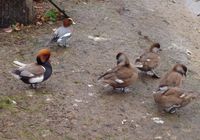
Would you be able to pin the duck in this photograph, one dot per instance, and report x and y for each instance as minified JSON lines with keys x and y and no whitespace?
{"x":172,"y":99}
{"x":122,"y":75}
{"x":174,"y":77}
{"x":34,"y":73}
{"x":149,"y":60}
{"x":62,"y":34}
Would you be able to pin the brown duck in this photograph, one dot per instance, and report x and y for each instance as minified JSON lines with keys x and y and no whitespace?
{"x":149,"y":60}
{"x":174,"y":77}
{"x":172,"y":99}
{"x":121,"y":76}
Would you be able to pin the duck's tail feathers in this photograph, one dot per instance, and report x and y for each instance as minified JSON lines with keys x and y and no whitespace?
{"x":100,"y":77}
{"x":16,"y":74}
{"x":18,"y":64}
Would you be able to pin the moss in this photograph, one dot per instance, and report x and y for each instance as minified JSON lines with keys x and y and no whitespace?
{"x":6,"y":103}
{"x":25,"y":134}
{"x":51,"y":15}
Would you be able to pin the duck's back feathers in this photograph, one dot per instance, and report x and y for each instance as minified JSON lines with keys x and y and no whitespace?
{"x":18,"y":64}
{"x":148,"y":61}
{"x":61,"y":32}
{"x":30,"y":73}
{"x":172,"y":79}
{"x":120,"y":76}
{"x":173,"y":98}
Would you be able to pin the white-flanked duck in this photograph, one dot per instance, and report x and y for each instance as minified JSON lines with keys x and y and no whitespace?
{"x":174,"y":77}
{"x":63,"y":33}
{"x":149,"y":60}
{"x":34,"y":73}
{"x":172,"y":99}
{"x":121,"y":76}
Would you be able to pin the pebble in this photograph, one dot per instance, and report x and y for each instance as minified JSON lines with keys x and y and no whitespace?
{"x":78,"y":101}
{"x":157,"y":120}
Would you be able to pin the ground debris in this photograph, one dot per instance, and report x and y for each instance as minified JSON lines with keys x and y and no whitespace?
{"x":90,"y":85}
{"x":124,"y":121}
{"x":157,"y":138}
{"x":78,"y":101}
{"x":97,"y":38}
{"x":157,"y":120}
{"x":188,"y":52}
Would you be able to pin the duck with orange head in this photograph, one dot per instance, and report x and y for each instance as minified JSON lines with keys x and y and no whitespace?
{"x":34,"y":73}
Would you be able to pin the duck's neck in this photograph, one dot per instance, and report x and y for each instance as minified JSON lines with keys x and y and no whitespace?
{"x":39,"y":62}
{"x":180,"y":73}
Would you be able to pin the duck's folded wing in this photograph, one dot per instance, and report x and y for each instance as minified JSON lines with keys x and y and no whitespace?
{"x":30,"y":70}
{"x":55,"y":36}
{"x":150,"y":59}
{"x":168,"y":101}
{"x":124,"y":73}
{"x":35,"y":69}
{"x":64,"y":37}
{"x":110,"y":73}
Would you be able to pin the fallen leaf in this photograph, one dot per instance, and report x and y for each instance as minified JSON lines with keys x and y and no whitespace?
{"x":38,"y":23}
{"x":8,"y":30}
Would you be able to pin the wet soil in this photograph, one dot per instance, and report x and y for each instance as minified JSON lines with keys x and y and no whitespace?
{"x":72,"y":105}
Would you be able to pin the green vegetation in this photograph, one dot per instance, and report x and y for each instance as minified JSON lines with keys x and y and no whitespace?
{"x":51,"y":15}
{"x":6,"y":103}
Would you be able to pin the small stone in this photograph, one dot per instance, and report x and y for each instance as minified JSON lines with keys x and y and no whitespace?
{"x":14,"y":102}
{"x":157,"y":120}
{"x":90,"y":85}
{"x":188,"y":52}
{"x":124,"y":121}
{"x":158,"y":138}
{"x":90,"y":94}
{"x":48,"y":99}
{"x":78,"y":101}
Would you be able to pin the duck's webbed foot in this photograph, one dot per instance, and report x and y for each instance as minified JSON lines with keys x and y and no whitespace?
{"x":172,"y":109}
{"x":34,"y":86}
{"x":124,"y":90}
{"x":153,"y":74}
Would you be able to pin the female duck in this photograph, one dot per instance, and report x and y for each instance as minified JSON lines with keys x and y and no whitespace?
{"x":174,"y":77}
{"x":149,"y":60}
{"x":122,"y":75}
{"x":172,"y":99}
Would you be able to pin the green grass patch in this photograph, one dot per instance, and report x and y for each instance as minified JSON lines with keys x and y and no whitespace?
{"x":6,"y":103}
{"x":51,"y":15}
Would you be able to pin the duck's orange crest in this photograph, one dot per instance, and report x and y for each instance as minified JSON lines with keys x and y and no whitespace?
{"x":43,"y":52}
{"x":44,"y":55}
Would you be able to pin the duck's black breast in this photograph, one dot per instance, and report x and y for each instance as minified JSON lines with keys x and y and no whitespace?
{"x":48,"y":70}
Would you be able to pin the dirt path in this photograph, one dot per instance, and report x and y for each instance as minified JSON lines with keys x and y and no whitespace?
{"x":72,"y":105}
